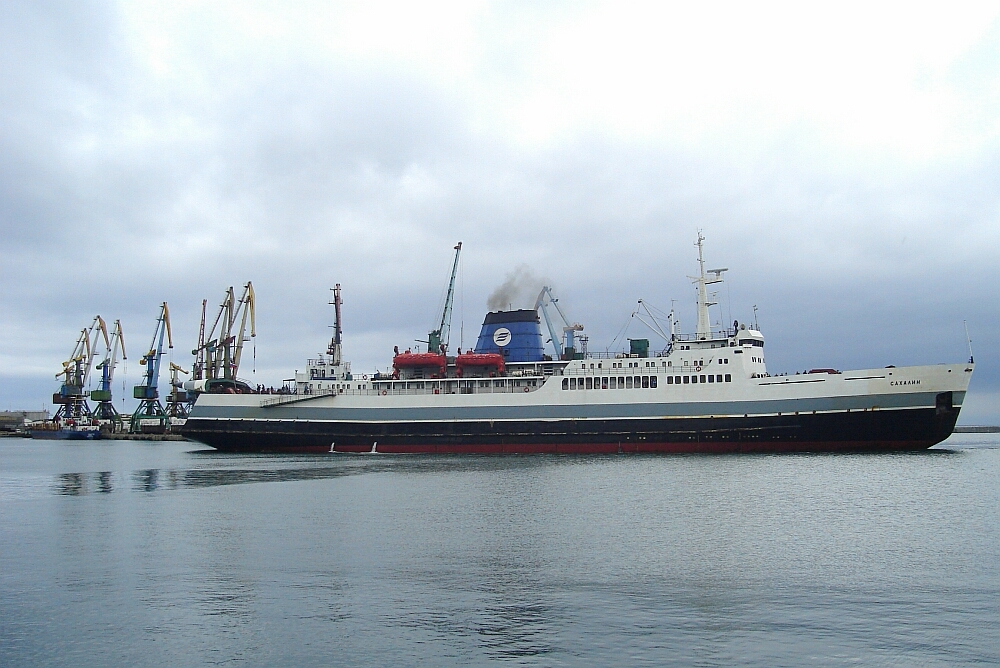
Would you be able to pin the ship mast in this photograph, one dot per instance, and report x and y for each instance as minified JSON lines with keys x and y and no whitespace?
{"x":334,"y":350}
{"x":704,"y":323}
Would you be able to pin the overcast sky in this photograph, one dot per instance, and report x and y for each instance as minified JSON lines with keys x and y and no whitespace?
{"x":843,"y":162}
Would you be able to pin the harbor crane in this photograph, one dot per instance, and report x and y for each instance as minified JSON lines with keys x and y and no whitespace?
{"x":178,"y":401}
{"x":150,"y":410}
{"x":565,"y":345}
{"x":105,"y":410}
{"x":217,"y":357}
{"x":72,"y":396}
{"x":438,"y":339}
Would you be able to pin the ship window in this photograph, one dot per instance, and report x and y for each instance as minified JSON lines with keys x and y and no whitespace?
{"x":670,"y":363}
{"x":652,"y":381}
{"x":572,"y":383}
{"x":604,"y":383}
{"x":711,"y":378}
{"x":729,"y":378}
{"x":565,"y":383}
{"x":703,"y":379}
{"x":628,"y":382}
{"x":645,"y":381}
{"x":670,"y":380}
{"x":621,"y":382}
{"x":590,"y":383}
{"x":579,"y":384}
{"x":718,"y":378}
{"x":613,"y":385}
{"x":687,"y":379}
{"x":685,"y":362}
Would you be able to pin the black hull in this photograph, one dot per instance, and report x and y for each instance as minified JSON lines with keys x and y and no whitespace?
{"x":854,"y":431}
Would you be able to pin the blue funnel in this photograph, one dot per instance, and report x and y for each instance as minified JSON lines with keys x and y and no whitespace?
{"x":517,"y":335}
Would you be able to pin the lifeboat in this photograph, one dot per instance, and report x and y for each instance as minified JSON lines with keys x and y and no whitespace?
{"x":420,"y":360}
{"x":480,"y":360}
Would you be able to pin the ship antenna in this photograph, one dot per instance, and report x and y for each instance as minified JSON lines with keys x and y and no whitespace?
{"x":969,"y":340}
{"x":704,"y":324}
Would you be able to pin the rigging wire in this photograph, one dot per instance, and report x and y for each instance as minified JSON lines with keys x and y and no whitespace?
{"x":621,"y":331}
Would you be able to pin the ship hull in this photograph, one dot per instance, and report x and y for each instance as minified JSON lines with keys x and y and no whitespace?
{"x":854,"y":431}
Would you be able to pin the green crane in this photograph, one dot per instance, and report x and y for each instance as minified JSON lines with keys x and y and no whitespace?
{"x":437,"y":340}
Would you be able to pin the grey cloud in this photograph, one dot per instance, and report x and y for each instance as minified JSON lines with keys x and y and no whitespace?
{"x":119,"y":193}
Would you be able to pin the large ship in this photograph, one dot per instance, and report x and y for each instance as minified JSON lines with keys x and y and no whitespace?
{"x":706,"y":392}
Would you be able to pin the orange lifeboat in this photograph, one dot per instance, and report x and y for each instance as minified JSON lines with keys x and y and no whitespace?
{"x":480,"y":360}
{"x":420,"y":360}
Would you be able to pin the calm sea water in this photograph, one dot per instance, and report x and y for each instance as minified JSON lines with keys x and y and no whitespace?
{"x":130,"y":553}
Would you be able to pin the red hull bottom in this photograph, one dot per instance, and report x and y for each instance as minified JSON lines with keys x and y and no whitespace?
{"x":638,"y":448}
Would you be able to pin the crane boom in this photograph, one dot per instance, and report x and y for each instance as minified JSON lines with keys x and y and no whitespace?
{"x":72,"y":396}
{"x":150,"y":408}
{"x":565,"y":346}
{"x":105,"y":411}
{"x":218,"y":353}
{"x":246,"y":305}
{"x":438,"y":339}
{"x":541,"y":305}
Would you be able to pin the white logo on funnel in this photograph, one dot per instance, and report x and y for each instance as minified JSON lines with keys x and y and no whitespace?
{"x":501,"y":337}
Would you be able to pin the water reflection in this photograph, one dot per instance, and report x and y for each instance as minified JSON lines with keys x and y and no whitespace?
{"x":104,"y":482}
{"x":146,"y":481}
{"x":282,"y":468}
{"x":71,"y":484}
{"x":154,"y":480}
